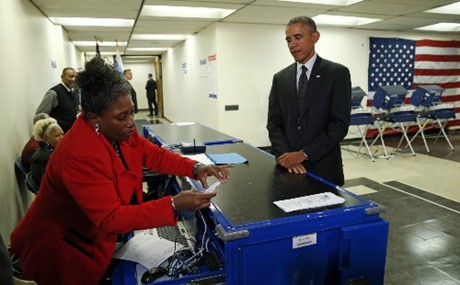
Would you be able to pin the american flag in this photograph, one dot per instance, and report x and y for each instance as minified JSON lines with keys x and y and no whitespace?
{"x":411,"y":63}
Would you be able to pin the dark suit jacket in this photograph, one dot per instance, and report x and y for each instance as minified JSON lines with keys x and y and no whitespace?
{"x":321,"y":126}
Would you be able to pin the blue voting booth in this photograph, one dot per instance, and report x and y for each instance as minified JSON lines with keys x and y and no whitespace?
{"x":362,"y":118}
{"x":252,"y":241}
{"x":433,"y":113}
{"x":397,"y":114}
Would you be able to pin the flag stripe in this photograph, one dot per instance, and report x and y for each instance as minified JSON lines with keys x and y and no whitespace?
{"x":437,"y":72}
{"x":452,"y":98}
{"x":436,"y":65}
{"x":431,"y":57}
{"x":436,"y":43}
{"x":445,"y":85}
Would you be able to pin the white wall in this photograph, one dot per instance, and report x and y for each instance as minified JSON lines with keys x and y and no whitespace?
{"x":140,"y":72}
{"x":29,"y":43}
{"x":248,"y":56}
{"x":186,"y":97}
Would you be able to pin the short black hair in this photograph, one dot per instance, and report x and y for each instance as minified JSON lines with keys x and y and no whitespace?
{"x":100,"y":85}
{"x":65,"y":70}
{"x":304,"y":20}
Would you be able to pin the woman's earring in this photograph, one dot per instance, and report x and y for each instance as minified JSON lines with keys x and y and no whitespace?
{"x":97,"y":129}
{"x":49,"y":147}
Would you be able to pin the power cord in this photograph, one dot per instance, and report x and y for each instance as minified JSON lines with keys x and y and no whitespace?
{"x":185,"y":260}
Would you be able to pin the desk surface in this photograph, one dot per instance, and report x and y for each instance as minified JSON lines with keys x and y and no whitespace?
{"x":253,"y":187}
{"x":175,"y":133}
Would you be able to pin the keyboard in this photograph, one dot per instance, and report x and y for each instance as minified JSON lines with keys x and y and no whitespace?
{"x":172,"y":233}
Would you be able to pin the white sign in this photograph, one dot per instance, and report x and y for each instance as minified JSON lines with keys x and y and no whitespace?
{"x":304,"y":240}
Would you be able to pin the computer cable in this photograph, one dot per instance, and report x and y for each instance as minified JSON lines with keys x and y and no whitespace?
{"x":186,"y":260}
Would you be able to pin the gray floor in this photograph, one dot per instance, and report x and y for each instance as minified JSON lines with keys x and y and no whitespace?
{"x":422,"y":197}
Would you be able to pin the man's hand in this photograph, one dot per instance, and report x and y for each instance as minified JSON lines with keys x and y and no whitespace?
{"x":292,"y":161}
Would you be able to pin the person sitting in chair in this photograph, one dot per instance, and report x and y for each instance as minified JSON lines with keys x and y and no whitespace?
{"x":48,"y":134}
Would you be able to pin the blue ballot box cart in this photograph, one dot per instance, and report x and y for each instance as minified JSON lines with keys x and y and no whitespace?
{"x":258,"y":243}
{"x":173,"y":134}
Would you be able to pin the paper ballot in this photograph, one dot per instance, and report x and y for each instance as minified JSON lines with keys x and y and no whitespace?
{"x":309,"y":202}
{"x":147,"y":250}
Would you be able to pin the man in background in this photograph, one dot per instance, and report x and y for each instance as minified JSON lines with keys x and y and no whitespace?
{"x":61,"y":101}
{"x":151,"y":87}
{"x":309,"y":107}
{"x":128,"y":74}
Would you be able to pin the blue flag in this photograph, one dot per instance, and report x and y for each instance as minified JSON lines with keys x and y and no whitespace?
{"x":391,"y":62}
{"x":117,"y":63}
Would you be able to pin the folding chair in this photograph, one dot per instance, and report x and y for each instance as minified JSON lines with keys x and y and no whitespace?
{"x":21,"y":172}
{"x":31,"y":184}
{"x":433,"y":111}
{"x":395,"y":114}
{"x":361,"y":117}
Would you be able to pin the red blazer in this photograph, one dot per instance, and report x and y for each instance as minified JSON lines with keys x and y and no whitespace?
{"x":68,"y":234}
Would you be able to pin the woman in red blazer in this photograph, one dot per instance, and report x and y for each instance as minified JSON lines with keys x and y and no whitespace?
{"x":92,"y":188}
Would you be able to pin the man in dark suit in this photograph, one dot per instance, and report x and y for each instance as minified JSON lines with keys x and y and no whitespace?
{"x":309,"y":116}
{"x":61,"y":101}
{"x":151,"y":87}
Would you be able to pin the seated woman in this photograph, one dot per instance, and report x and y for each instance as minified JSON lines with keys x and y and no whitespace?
{"x":32,"y":145}
{"x":48,"y":134}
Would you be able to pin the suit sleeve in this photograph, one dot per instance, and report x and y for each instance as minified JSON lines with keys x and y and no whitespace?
{"x":275,"y":122}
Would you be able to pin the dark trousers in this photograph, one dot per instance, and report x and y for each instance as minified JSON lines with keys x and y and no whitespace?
{"x":152,"y":100}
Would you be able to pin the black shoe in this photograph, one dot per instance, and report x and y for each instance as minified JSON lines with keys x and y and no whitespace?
{"x":150,"y":115}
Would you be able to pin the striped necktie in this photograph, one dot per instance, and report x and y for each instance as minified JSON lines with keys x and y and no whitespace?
{"x":302,"y":89}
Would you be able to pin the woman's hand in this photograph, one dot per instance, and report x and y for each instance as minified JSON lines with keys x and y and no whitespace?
{"x":220,"y":172}
{"x":192,"y":200}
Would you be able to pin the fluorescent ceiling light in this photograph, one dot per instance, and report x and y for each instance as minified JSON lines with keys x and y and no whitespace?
{"x":102,"y":53}
{"x":343,"y":20}
{"x":185,"y":12}
{"x":92,"y":22}
{"x":147,"y":49}
{"x":441,"y":27}
{"x":326,"y":2}
{"x":158,"y":37}
{"x":453,"y":8}
{"x":101,"y":44}
{"x":137,"y":60}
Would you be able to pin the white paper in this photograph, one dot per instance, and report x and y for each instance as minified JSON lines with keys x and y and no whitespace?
{"x":309,"y":202}
{"x":201,"y":157}
{"x":213,"y":187}
{"x":147,"y":250}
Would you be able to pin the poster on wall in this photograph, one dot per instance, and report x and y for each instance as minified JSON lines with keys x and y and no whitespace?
{"x":212,"y":76}
{"x":54,"y":73}
{"x":184,"y":70}
{"x":203,"y":67}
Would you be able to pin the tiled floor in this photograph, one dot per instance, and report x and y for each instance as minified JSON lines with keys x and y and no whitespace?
{"x":422,"y":197}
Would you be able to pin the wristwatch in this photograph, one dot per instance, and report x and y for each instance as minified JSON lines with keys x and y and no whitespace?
{"x":195,"y":167}
{"x":304,"y":154}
